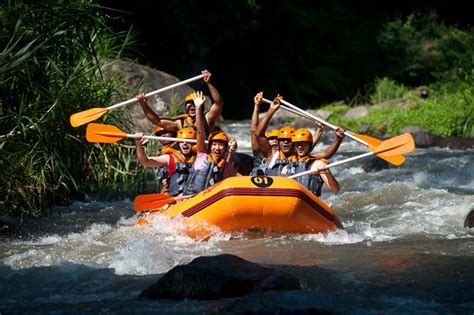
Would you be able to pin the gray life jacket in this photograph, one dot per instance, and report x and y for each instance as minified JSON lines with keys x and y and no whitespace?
{"x":207,"y":176}
{"x":313,"y":182}
{"x":177,"y":181}
{"x":276,"y":169}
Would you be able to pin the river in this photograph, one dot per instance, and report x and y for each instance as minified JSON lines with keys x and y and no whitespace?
{"x":403,"y":249}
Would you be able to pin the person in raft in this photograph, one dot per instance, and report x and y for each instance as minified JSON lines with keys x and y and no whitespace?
{"x":271,"y":135}
{"x":303,"y":161}
{"x":189,"y":118}
{"x":176,"y":163}
{"x":275,"y":160}
{"x":210,"y":165}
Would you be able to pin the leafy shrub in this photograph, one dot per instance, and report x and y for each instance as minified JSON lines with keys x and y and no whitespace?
{"x":50,"y":69}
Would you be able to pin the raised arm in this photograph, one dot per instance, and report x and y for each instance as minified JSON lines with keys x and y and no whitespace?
{"x":216,"y":109}
{"x":199,"y":99}
{"x":155,"y":161}
{"x":153,"y":117}
{"x":317,"y":134}
{"x":333,"y":147}
{"x":263,"y":125}
{"x":257,"y":100}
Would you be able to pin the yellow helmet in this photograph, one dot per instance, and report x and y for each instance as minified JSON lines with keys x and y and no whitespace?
{"x":189,"y":98}
{"x":273,"y":133}
{"x":302,"y":135}
{"x":186,"y":133}
{"x":286,"y":132}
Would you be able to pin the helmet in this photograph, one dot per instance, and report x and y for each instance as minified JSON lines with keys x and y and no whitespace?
{"x":218,"y":135}
{"x":302,"y":135}
{"x":273,"y":133}
{"x":186,"y":133}
{"x":160,"y":131}
{"x":286,"y":132}
{"x":189,"y":98}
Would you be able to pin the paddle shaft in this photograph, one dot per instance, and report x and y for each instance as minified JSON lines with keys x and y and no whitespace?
{"x":166,"y":88}
{"x":333,"y":164}
{"x":298,"y":111}
{"x":129,"y":135}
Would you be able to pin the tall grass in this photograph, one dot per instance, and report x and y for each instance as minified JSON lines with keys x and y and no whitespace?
{"x":50,"y":69}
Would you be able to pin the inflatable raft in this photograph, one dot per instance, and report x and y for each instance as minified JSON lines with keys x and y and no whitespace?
{"x":243,"y":203}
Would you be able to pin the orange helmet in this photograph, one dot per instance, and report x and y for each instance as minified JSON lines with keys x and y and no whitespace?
{"x":273,"y":133}
{"x":302,"y":135}
{"x":286,"y":132}
{"x":159,"y":131}
{"x":186,"y":133}
{"x":218,"y":135}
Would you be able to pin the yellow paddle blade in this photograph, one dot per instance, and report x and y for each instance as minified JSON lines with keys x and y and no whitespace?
{"x":369,"y":140}
{"x":84,"y":117}
{"x":103,"y":133}
{"x":151,"y":202}
{"x":392,"y":149}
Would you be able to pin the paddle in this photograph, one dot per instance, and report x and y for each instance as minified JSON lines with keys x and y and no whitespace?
{"x":154,"y":201}
{"x":368,"y":141}
{"x":392,"y":147}
{"x":99,"y":133}
{"x":92,"y":114}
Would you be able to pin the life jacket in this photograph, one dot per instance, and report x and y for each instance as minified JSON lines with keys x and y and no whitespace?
{"x":177,"y":181}
{"x":162,"y":172}
{"x":275,"y":166}
{"x":167,"y":149}
{"x":187,"y":121}
{"x":313,"y":182}
{"x":211,"y":173}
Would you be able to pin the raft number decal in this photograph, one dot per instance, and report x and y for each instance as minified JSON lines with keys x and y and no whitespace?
{"x":262,"y":181}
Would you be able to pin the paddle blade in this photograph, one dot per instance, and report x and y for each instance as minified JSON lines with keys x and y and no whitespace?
{"x":84,"y":117}
{"x":369,"y":140}
{"x":103,"y":133}
{"x":151,"y":202}
{"x":392,"y":149}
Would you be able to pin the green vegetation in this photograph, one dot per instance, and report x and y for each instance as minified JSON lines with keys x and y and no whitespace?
{"x":421,"y":51}
{"x":447,"y":111}
{"x":49,"y":69}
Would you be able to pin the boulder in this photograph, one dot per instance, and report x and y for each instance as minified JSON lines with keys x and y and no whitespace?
{"x":469,"y":222}
{"x":138,"y":78}
{"x":217,"y":277}
{"x":425,"y":139}
{"x":356,"y":112}
{"x":375,"y":164}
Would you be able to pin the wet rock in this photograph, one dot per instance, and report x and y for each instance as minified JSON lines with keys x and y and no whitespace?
{"x":356,"y":112}
{"x":425,"y":139}
{"x":469,"y":222}
{"x":81,"y":196}
{"x":9,"y":226}
{"x":375,"y":164}
{"x":243,"y":163}
{"x":217,"y":277}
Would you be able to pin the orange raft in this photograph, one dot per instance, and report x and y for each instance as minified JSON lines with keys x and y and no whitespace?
{"x":242,"y":203}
